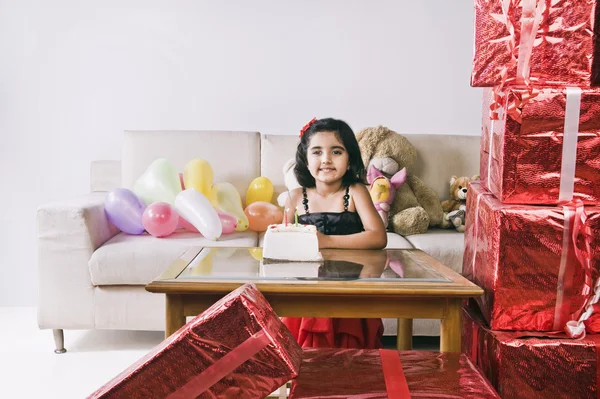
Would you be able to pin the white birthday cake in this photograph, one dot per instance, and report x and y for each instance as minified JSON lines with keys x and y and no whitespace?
{"x":289,"y":269}
{"x":291,"y":242}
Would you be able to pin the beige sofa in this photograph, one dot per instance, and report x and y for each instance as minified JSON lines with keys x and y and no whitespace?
{"x":91,"y":276}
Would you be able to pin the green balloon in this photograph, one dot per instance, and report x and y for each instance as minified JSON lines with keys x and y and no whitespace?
{"x":159,"y":183}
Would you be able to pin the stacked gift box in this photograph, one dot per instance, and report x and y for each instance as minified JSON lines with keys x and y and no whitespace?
{"x":238,"y":348}
{"x":532,"y":239}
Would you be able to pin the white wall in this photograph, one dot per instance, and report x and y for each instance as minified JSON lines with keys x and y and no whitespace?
{"x":74,"y":74}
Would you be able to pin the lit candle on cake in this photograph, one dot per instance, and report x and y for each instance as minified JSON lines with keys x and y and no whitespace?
{"x":285,"y":216}
{"x":296,"y":217}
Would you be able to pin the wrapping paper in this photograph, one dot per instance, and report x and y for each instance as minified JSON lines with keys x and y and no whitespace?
{"x":545,"y":42}
{"x":240,"y":332}
{"x":523,"y":365}
{"x":525,"y":259}
{"x":359,"y":373}
{"x":522,"y":153}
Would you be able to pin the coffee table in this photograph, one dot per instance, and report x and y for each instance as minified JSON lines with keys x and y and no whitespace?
{"x":403,"y":284}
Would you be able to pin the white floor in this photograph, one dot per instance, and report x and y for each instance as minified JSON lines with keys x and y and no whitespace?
{"x":29,"y":368}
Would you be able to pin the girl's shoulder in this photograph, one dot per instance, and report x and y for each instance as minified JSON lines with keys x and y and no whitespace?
{"x":358,"y":189}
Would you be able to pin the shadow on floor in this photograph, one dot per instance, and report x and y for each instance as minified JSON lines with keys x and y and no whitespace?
{"x":419,"y":343}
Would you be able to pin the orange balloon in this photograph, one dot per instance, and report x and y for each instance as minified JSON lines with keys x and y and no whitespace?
{"x":261,"y":214}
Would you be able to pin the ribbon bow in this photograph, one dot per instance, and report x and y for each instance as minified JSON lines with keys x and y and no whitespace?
{"x":576,"y":328}
{"x":307,"y":126}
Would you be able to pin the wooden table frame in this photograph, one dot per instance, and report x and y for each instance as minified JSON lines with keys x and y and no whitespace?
{"x":404,"y":301}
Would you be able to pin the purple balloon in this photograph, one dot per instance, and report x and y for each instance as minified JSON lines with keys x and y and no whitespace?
{"x":124,"y":209}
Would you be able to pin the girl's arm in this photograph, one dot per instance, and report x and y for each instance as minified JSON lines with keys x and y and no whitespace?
{"x":374,"y":236}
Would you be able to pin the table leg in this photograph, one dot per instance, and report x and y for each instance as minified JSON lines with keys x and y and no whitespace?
{"x":175,"y":315}
{"x":404,"y":338}
{"x":451,"y":327}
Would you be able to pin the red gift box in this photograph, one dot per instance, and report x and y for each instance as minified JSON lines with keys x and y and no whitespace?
{"x":237,"y":348}
{"x":523,"y":365}
{"x":533,"y":262}
{"x":375,"y":374}
{"x":544,"y":148}
{"x":539,"y":41}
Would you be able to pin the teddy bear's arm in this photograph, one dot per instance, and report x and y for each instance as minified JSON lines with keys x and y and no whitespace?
{"x":458,"y":204}
{"x":428,"y":199}
{"x":448,"y":205}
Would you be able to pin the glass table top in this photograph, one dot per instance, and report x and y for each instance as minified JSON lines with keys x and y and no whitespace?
{"x":247,"y":264}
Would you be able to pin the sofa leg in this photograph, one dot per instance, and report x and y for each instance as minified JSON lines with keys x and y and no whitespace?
{"x":59,"y":341}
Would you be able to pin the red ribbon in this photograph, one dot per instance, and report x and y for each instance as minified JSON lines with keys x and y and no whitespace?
{"x":395,"y":380}
{"x":222,"y":367}
{"x":307,"y":126}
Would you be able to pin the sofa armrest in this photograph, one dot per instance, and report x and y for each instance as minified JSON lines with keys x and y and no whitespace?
{"x":68,"y":233}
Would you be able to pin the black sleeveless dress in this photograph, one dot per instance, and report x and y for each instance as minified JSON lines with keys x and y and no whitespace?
{"x":323,"y":332}
{"x":332,"y":223}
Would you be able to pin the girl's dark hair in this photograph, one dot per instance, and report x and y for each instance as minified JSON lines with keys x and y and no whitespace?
{"x":356,"y":173}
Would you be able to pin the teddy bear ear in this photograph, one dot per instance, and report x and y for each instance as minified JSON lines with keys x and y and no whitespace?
{"x":453,"y":180}
{"x":476,"y":177}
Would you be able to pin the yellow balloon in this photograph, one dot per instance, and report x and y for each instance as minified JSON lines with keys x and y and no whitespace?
{"x":227,"y":199}
{"x":198,"y":174}
{"x":260,"y":189}
{"x":256,"y":253}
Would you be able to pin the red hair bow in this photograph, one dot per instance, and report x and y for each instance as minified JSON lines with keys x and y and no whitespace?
{"x":307,"y":126}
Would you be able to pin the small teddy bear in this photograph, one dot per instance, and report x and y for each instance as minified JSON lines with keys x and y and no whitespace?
{"x":455,"y":207}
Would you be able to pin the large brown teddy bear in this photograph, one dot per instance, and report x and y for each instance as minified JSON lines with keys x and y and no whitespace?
{"x":416,"y":206}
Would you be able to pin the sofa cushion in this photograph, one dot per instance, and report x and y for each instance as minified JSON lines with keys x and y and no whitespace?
{"x":234,"y":156}
{"x":447,"y":246}
{"x":137,"y":260}
{"x":395,"y":241}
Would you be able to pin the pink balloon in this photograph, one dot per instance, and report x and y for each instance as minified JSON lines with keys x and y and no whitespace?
{"x":187,"y":225}
{"x":228,"y":222}
{"x":160,"y":219}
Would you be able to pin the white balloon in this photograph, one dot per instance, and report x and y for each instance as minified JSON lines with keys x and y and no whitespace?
{"x":282,"y":198}
{"x":194,"y":207}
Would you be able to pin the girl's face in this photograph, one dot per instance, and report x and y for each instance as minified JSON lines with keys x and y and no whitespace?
{"x":327,"y":157}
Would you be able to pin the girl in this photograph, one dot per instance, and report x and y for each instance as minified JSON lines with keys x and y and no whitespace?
{"x":334,"y":198}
